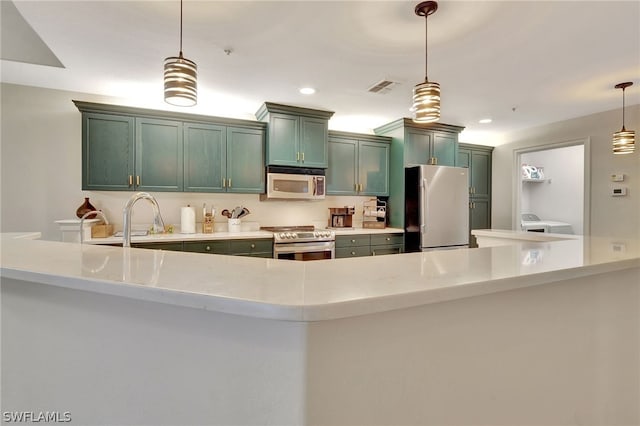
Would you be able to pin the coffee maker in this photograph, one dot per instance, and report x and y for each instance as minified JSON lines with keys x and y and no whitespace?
{"x":341,"y":217}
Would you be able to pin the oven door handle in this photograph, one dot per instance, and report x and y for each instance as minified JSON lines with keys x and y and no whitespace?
{"x":303,"y":247}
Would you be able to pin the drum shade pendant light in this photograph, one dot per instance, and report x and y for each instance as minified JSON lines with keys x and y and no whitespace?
{"x":624,"y":140}
{"x":426,"y":95}
{"x":180,"y":86}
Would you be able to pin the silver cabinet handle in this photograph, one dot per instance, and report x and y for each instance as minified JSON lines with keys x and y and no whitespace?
{"x":208,"y":248}
{"x":137,"y":180}
{"x":229,"y":183}
{"x":353,"y":241}
{"x":130,"y":180}
{"x":303,"y":157}
{"x":224,"y":183}
{"x":253,"y":246}
{"x":353,"y":253}
{"x":297,"y":156}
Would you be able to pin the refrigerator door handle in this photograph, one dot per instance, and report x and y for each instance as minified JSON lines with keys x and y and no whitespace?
{"x":424,"y":204}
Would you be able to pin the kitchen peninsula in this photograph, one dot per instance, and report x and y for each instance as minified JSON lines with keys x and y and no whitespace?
{"x":537,"y":332}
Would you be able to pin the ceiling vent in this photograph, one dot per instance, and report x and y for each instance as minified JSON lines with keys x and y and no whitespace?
{"x":382,"y":87}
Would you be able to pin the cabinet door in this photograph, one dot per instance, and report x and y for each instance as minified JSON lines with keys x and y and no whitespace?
{"x":169,"y":246}
{"x":480,"y":214}
{"x":480,"y":174}
{"x":205,"y":153}
{"x":159,"y":155}
{"x":464,"y":158}
{"x":313,"y":142}
{"x":213,"y":247}
{"x":245,"y":160}
{"x":342,"y":171}
{"x":444,"y":148}
{"x":373,"y":168}
{"x":417,"y":148}
{"x":107,"y":152}
{"x":284,"y":137}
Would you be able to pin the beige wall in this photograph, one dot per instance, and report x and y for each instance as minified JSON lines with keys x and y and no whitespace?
{"x":41,"y":173}
{"x":609,"y":216}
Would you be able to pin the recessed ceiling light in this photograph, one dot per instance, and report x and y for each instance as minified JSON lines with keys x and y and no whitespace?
{"x":485,"y":121}
{"x":307,"y":90}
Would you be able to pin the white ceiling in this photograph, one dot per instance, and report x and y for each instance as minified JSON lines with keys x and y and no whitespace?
{"x":520,"y":63}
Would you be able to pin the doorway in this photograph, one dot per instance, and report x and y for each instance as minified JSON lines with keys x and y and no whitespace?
{"x":551,"y":188}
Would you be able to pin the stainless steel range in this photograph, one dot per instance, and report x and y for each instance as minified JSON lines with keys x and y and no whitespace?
{"x":302,"y":242}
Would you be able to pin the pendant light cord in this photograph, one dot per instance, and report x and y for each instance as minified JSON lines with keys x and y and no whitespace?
{"x":426,"y":50}
{"x":623,"y":108}
{"x":181,"y":28}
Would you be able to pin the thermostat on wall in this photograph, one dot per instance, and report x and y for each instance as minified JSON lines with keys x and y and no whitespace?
{"x":618,"y":192}
{"x":618,"y":177}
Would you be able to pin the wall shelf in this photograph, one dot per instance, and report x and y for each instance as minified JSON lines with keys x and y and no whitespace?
{"x":537,"y":180}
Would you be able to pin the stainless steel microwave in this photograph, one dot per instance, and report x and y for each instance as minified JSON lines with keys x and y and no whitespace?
{"x":294,"y":183}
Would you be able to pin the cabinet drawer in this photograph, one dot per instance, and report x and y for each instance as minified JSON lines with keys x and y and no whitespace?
{"x":217,"y":247}
{"x":387,"y":239}
{"x":175,"y":246}
{"x":390,"y":249}
{"x":251,"y":246}
{"x":352,"y":240}
{"x":353,"y":252}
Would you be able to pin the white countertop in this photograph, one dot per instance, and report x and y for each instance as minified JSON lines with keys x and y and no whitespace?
{"x":310,"y":291}
{"x":160,"y":238}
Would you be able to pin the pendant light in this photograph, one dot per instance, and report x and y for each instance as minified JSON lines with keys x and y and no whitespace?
{"x":180,"y":86}
{"x":624,"y":140}
{"x":426,"y":95}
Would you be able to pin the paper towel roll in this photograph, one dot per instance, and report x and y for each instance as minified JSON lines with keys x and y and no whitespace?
{"x":187,"y":220}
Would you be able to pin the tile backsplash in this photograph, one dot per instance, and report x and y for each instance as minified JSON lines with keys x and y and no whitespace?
{"x":263,"y":213}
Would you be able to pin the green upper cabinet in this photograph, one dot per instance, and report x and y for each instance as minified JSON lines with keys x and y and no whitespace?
{"x":417,"y":147}
{"x":159,"y":155}
{"x":444,"y":149}
{"x":373,"y":168}
{"x":342,"y":174}
{"x":358,"y":164}
{"x":478,"y":159}
{"x":245,"y":160}
{"x":107,"y":152}
{"x":223,"y":159}
{"x":411,"y":144}
{"x":205,"y":157}
{"x":126,"y":148}
{"x":296,"y":136}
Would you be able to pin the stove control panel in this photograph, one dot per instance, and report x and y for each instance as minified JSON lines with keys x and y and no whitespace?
{"x":304,"y":236}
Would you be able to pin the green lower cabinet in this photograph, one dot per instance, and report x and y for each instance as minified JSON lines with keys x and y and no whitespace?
{"x":360,"y":251}
{"x":382,"y":244}
{"x":254,"y":248}
{"x":262,"y":247}
{"x":169,"y":246}
{"x":359,"y":245}
{"x":212,"y":247}
{"x":358,"y":164}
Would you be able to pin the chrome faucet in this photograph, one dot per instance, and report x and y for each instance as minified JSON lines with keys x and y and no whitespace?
{"x":158,"y":223}
{"x":87,"y":214}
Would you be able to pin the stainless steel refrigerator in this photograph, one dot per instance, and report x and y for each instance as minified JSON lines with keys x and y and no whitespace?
{"x":436,"y":207}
